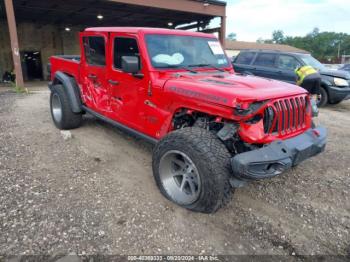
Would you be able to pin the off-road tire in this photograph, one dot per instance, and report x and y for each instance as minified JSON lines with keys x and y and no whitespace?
{"x":324,"y":97}
{"x":69,"y":119}
{"x":211,"y":158}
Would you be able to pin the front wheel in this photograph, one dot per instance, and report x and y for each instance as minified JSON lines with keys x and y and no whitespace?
{"x":322,"y":97}
{"x":192,"y":168}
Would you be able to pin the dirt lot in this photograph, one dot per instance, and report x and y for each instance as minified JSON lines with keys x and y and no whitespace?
{"x":94,"y":193}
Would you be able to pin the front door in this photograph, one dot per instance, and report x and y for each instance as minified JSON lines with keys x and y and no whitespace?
{"x":286,"y":65}
{"x":127,"y":92}
{"x":93,"y":71}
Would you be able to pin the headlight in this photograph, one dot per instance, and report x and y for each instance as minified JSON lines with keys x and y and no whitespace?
{"x":253,"y":107}
{"x":340,"y":82}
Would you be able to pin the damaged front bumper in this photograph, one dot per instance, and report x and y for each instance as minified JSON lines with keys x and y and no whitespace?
{"x":279,"y":156}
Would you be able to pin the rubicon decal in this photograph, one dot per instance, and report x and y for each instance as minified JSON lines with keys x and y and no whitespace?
{"x":199,"y":95}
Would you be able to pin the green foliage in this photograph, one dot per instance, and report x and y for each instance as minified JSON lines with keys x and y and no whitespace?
{"x":278,"y":37}
{"x":232,"y":37}
{"x":325,"y":46}
{"x":261,"y":41}
{"x":18,"y":89}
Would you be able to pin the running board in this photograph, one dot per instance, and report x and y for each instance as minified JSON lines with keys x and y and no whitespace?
{"x":121,"y":126}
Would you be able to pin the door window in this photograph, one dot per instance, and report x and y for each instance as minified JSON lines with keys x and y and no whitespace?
{"x":287,"y":62}
{"x":245,"y":58}
{"x":265,"y":59}
{"x":124,"y":47}
{"x":95,"y":50}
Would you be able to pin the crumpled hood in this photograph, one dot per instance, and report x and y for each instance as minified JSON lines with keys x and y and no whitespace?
{"x":336,"y":73}
{"x":228,"y":89}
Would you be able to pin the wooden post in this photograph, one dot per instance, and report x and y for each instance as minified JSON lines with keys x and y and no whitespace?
{"x":14,"y":42}
{"x":222,"y":33}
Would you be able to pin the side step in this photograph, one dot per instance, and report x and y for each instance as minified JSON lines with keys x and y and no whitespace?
{"x":121,"y":126}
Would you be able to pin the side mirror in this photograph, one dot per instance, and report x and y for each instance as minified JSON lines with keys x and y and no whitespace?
{"x":130,"y":64}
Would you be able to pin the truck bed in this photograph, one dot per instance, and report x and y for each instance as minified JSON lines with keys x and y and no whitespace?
{"x":69,"y":64}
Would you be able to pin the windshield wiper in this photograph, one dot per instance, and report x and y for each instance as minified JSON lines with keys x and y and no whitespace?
{"x":178,"y":67}
{"x":209,"y":65}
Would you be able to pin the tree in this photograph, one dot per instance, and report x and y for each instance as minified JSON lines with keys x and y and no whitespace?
{"x":314,"y":32}
{"x":322,"y":45}
{"x":260,"y":40}
{"x":278,"y":37}
{"x":232,"y":37}
{"x":325,"y":46}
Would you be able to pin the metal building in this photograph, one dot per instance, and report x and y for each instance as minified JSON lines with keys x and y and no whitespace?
{"x":33,"y":30}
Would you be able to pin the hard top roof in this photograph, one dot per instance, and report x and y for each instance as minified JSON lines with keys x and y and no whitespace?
{"x":147,"y":30}
{"x":274,"y":51}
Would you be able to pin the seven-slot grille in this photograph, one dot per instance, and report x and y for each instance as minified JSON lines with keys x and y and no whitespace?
{"x":285,"y":115}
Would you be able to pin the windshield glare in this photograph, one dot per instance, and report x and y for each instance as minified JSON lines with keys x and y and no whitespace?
{"x":309,"y":60}
{"x":174,"y":51}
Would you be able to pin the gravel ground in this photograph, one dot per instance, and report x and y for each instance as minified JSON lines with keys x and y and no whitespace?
{"x":94,"y":193}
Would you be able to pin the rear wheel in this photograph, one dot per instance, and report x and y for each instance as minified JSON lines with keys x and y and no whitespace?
{"x":61,"y":113}
{"x":192,"y":168}
{"x":322,"y":97}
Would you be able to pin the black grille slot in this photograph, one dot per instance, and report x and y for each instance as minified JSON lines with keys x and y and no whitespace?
{"x":294,"y":113}
{"x":268,"y":119}
{"x":282,"y":115}
{"x":287,"y":114}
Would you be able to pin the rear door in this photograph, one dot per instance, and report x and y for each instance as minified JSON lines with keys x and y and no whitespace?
{"x":242,"y":63}
{"x":94,"y":69}
{"x":286,"y":65}
{"x":264,"y":65}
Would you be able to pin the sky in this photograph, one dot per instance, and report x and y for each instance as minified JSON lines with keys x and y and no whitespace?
{"x":254,"y":19}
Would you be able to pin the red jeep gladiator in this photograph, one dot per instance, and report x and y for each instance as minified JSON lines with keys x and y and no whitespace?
{"x":213,"y":130}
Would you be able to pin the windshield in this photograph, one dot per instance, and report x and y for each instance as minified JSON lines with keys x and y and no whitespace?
{"x":174,"y":51}
{"x":309,"y":60}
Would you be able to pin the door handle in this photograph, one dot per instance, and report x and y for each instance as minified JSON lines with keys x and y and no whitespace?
{"x":113,"y":82}
{"x":92,"y":76}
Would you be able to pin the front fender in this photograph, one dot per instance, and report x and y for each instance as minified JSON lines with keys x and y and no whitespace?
{"x":326,"y":81}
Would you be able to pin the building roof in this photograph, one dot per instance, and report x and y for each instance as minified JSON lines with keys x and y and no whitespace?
{"x":241,"y":45}
{"x":148,"y":13}
{"x":213,"y":2}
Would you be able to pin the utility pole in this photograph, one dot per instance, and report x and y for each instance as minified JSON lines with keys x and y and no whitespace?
{"x":14,"y":42}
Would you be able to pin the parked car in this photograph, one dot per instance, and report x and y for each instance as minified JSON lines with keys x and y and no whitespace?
{"x":335,"y":85}
{"x":212,"y":129}
{"x":345,"y":67}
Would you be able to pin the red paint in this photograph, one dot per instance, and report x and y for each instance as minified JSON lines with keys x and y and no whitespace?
{"x":148,"y":104}
{"x":316,"y":132}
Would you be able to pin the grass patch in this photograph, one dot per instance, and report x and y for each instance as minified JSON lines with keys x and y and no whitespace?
{"x":19,"y":89}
